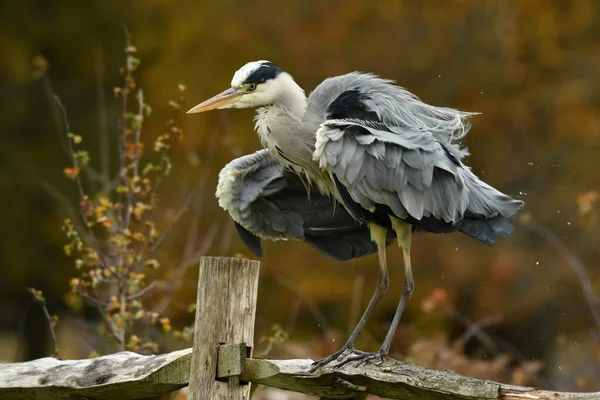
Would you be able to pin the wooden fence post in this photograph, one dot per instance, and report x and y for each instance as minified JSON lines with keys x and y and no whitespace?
{"x":225,"y":313}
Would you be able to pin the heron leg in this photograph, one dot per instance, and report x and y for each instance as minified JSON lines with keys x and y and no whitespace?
{"x":378,"y":236}
{"x":403,"y":232}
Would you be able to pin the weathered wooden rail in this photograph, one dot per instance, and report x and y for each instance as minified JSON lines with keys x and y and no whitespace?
{"x":220,"y":365}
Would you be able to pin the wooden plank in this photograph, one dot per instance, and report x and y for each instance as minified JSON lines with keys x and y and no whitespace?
{"x":390,"y":379}
{"x":121,"y":376}
{"x":225,"y":314}
{"x":128,"y":376}
{"x":231,"y":360}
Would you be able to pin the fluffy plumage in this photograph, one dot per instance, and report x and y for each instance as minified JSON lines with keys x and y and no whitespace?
{"x":392,"y":162}
{"x":364,"y":140}
{"x":267,"y":202}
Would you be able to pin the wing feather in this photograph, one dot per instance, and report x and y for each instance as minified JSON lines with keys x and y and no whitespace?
{"x":411,"y":159}
{"x":415,"y":178}
{"x":268,"y":202}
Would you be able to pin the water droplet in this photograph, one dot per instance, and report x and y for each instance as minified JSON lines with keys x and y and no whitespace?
{"x":569,"y":223}
{"x":537,"y":263}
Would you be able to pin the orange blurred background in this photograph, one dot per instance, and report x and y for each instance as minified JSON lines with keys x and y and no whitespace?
{"x":531,"y":67}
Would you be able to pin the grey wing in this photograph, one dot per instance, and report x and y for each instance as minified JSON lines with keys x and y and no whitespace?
{"x":268,"y":202}
{"x":243,"y":183}
{"x":411,"y":175}
{"x":366,"y":96}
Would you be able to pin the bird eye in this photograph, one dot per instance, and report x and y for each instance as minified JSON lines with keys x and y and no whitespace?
{"x":252,"y":86}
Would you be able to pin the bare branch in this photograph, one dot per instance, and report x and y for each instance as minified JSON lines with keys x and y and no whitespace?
{"x":138,"y":131}
{"x":67,"y":207}
{"x":141,"y":292}
{"x":102,"y":122}
{"x":312,"y":307}
{"x":95,"y":300}
{"x":177,"y":280}
{"x":576,"y":265}
{"x":99,"y":304}
{"x":475,"y":329}
{"x":39,"y":298}
{"x":355,"y":307}
{"x":92,"y":237}
{"x":116,"y":335}
{"x":183,"y":208}
{"x":76,"y":166}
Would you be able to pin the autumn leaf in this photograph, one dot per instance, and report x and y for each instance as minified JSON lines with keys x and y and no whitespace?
{"x":152,"y":263}
{"x":71,"y":173}
{"x":586,"y":202}
{"x":134,"y":150}
{"x":37,"y":294}
{"x":75,"y":138}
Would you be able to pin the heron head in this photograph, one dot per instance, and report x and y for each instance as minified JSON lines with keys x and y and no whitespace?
{"x":256,"y":84}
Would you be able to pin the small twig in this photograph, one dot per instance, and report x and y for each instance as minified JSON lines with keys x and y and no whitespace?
{"x":110,"y":325}
{"x":123,"y":142}
{"x":63,"y":111}
{"x":93,"y":240}
{"x":475,"y":329}
{"x":576,"y":265}
{"x":102,"y":122}
{"x":183,"y":208}
{"x":21,"y":329}
{"x":293,"y":315}
{"x":67,"y":207}
{"x":39,"y":298}
{"x":138,"y":131}
{"x":226,"y":238}
{"x":141,"y":292}
{"x":209,"y":238}
{"x":122,"y":311}
{"x":357,"y":291}
{"x":99,"y":304}
{"x":94,"y":300}
{"x":56,"y":118}
{"x":312,"y":307}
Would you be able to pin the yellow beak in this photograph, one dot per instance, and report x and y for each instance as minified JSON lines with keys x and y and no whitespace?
{"x":221,"y":100}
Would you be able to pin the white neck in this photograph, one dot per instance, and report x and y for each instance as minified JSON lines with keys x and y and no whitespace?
{"x":289,"y":95}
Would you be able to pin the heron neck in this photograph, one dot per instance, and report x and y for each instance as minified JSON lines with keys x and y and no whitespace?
{"x":291,"y":98}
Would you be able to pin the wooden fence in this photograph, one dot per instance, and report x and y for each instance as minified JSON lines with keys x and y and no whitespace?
{"x":220,"y":365}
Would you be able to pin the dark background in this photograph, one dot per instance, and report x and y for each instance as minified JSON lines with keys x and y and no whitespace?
{"x":530,"y":67}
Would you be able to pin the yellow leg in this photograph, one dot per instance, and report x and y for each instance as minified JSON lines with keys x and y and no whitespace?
{"x":403,"y":232}
{"x":378,"y":236}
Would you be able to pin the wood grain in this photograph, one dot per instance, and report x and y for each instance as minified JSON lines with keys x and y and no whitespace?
{"x":225,"y":314}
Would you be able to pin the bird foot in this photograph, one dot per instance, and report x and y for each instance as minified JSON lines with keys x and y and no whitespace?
{"x":346,"y":355}
{"x":337,"y":356}
{"x":363,"y":358}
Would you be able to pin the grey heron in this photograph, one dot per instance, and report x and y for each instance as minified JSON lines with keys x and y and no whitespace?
{"x":393,"y":163}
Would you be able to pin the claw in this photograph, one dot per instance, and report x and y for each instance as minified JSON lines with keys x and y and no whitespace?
{"x":363,"y":358}
{"x":345,"y":356}
{"x":337,"y":356}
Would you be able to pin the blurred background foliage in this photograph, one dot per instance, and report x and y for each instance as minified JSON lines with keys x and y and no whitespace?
{"x":531,"y":67}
